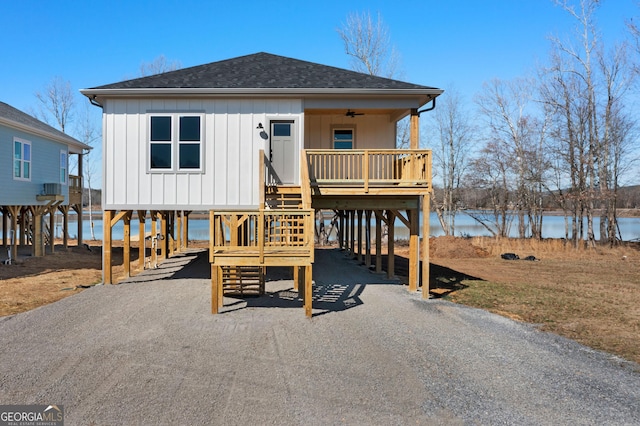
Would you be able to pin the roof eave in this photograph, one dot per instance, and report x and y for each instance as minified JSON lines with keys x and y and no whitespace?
{"x":163,"y":92}
{"x":68,"y":140}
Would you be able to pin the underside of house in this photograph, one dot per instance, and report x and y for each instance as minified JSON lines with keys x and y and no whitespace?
{"x":37,"y":183}
{"x":265,"y":144}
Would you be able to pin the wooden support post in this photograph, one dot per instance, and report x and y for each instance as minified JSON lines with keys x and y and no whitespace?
{"x":296,"y":277}
{"x":185,"y":229}
{"x":22,"y":224}
{"x":425,"y":246}
{"x":165,"y":235}
{"x":414,"y":130}
{"x":391,"y":220}
{"x":359,"y":236}
{"x":308,"y":291}
{"x":65,"y":225}
{"x":142,"y":244}
{"x":154,"y":233}
{"x":126,"y":252}
{"x":352,"y":233}
{"x":220,"y":288}
{"x":5,"y":223}
{"x":414,"y":231}
{"x":38,"y":242}
{"x":367,"y":256}
{"x":378,"y":241}
{"x":14,"y":211}
{"x":214,"y":288}
{"x":106,"y":247}
{"x":80,"y":211}
{"x":179,"y":231}
{"x":341,"y":229}
{"x":52,"y":229}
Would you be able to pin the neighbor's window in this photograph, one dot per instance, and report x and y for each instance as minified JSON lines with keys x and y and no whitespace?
{"x":176,"y":136}
{"x":64,"y":165}
{"x":21,"y":159}
{"x":343,"y":138}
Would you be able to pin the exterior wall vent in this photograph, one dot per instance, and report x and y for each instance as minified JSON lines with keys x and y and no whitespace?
{"x":52,"y":189}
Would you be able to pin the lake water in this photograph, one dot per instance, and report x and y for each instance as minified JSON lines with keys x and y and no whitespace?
{"x":553,"y":227}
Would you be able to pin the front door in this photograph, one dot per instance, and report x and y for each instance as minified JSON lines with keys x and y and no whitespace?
{"x":283,"y":152}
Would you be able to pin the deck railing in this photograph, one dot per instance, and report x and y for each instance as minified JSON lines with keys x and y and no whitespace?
{"x":365,"y":168}
{"x":248,"y":238}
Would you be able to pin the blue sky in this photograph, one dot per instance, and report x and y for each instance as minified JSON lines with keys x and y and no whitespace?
{"x":442,"y":42}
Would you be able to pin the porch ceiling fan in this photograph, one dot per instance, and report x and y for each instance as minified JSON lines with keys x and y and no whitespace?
{"x":352,"y":114}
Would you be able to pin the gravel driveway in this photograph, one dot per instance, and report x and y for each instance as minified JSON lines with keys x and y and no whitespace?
{"x":149,"y":352}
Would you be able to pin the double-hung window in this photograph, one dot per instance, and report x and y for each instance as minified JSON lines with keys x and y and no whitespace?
{"x":21,"y":159}
{"x":64,"y":166}
{"x":175,"y":142}
{"x":343,"y":138}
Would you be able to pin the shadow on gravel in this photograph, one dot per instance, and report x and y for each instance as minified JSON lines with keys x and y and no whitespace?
{"x":443,"y":280}
{"x":327,"y":298}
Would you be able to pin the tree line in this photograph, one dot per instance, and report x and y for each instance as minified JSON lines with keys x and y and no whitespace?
{"x":564,"y":139}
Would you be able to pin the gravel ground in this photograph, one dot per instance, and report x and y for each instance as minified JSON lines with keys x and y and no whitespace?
{"x":149,"y":352}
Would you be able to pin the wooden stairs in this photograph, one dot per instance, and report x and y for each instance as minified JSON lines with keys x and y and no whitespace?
{"x":242,"y":281}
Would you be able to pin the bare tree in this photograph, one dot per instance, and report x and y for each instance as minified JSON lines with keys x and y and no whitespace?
{"x":368,"y":43}
{"x":57,"y":101}
{"x":159,"y":65}
{"x":452,"y":142}
{"x":516,"y":138}
{"x":585,"y":88}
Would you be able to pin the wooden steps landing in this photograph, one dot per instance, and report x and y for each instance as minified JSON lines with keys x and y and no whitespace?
{"x":283,"y":197}
{"x":243,"y":280}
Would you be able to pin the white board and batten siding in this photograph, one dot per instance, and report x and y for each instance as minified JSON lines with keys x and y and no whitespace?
{"x":230,"y":154}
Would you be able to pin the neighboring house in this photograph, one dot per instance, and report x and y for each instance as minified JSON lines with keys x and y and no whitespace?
{"x":35,"y":180}
{"x":262,"y":142}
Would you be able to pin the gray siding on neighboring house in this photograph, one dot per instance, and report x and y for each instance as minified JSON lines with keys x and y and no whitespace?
{"x":45,"y":168}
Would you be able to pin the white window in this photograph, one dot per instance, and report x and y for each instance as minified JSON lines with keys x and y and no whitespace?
{"x":64,"y":166}
{"x":342,"y":138}
{"x":175,"y":142}
{"x":21,"y":159}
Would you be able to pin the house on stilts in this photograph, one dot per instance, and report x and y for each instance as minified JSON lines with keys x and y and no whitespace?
{"x":36,"y":183}
{"x":262,"y":142}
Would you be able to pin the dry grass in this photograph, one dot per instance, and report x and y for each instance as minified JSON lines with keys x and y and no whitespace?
{"x":589,"y":295}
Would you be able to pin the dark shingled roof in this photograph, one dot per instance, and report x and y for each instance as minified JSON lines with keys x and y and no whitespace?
{"x":263,"y":71}
{"x":9,"y":113}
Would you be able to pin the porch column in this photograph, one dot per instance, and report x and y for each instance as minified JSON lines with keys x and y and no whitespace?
{"x":14,"y":211}
{"x":414,"y":135}
{"x":425,"y":246}
{"x":52,"y":229}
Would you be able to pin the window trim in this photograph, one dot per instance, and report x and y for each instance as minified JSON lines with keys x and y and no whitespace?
{"x":349,"y":127}
{"x":175,"y":142}
{"x":22,"y":161}
{"x":65,"y":168}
